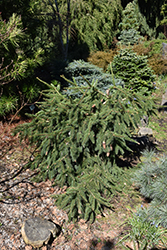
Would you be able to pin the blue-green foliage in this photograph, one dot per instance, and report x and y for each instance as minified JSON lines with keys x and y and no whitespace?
{"x":129,"y":37}
{"x":151,"y":181}
{"x":81,"y":72}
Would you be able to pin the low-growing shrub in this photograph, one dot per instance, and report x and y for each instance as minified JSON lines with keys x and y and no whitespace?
{"x":151,"y":178}
{"x":77,"y":141}
{"x":153,"y":51}
{"x":102,"y":58}
{"x":143,"y":233}
{"x":81,"y":72}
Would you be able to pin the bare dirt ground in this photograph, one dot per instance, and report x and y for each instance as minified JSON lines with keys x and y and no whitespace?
{"x":20,"y":198}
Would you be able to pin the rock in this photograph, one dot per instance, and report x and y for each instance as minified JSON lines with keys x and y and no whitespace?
{"x":164,"y":102}
{"x":145,"y":131}
{"x":144,"y":121}
{"x":164,"y":50}
{"x":37,"y":231}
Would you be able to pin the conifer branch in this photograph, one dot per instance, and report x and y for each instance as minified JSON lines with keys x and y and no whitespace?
{"x":50,"y":87}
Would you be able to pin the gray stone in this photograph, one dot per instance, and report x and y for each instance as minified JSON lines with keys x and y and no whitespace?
{"x":145,"y":131}
{"x":164,"y":50}
{"x":144,"y":121}
{"x":164,"y":99}
{"x":164,"y":103}
{"x":37,"y":231}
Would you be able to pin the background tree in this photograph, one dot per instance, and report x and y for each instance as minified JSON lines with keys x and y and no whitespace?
{"x":164,"y":13}
{"x":129,"y":26}
{"x":15,"y":65}
{"x":94,"y":22}
{"x":163,"y":21}
{"x":152,"y":11}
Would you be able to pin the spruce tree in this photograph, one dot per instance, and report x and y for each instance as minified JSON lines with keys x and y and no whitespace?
{"x":129,"y":34}
{"x":133,"y":70}
{"x":77,"y":141}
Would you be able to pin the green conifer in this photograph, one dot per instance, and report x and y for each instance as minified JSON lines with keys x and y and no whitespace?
{"x":93,"y":23}
{"x":133,"y":70}
{"x":15,"y":65}
{"x":77,"y":141}
{"x":129,"y":34}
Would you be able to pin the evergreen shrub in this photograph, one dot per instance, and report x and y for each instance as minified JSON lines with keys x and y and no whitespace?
{"x":82,"y":71}
{"x":102,"y":58}
{"x":151,"y":178}
{"x":158,"y":64}
{"x":129,"y":37}
{"x":156,"y":45}
{"x":94,"y":22}
{"x":133,"y":70}
{"x":153,"y":51}
{"x":77,"y":141}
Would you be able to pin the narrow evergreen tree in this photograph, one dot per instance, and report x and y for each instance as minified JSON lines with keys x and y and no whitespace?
{"x":129,"y":34}
{"x":144,"y":29}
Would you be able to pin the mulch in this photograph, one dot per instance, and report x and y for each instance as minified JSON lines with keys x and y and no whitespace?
{"x":21,"y":198}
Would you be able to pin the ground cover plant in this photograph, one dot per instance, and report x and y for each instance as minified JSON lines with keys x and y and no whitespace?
{"x":151,"y":181}
{"x":144,"y":233}
{"x":77,"y":141}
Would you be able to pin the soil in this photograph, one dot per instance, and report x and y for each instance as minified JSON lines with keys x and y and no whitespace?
{"x":21,"y":198}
